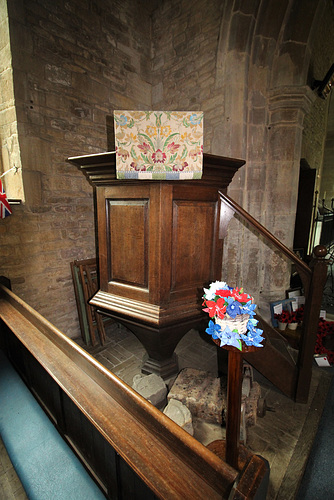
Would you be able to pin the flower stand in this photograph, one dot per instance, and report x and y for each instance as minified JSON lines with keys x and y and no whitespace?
{"x":234,"y":328}
{"x":234,"y":393}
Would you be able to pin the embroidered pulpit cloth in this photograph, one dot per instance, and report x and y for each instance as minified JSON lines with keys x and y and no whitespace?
{"x":162,"y":145}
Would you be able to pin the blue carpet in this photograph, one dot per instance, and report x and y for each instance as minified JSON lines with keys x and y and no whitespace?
{"x":318,"y":480}
{"x":46,"y":466}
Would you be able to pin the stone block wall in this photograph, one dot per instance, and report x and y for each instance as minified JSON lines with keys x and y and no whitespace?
{"x":327,"y":179}
{"x":73,"y":63}
{"x":246,"y":64}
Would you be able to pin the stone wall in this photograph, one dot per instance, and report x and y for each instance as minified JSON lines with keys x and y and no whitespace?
{"x":73,"y":62}
{"x":327,"y":178}
{"x":320,"y":117}
{"x":250,"y":77}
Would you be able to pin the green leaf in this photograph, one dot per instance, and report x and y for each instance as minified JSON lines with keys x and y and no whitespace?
{"x":133,"y":153}
{"x":158,"y":119}
{"x":144,"y":157}
{"x":169,"y":138}
{"x":184,"y":153}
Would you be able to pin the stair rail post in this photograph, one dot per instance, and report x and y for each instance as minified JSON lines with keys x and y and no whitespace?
{"x":312,"y":308}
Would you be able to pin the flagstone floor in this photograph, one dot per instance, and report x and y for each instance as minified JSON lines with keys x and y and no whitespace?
{"x":283,"y":436}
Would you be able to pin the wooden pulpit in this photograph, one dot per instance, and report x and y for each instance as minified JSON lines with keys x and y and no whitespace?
{"x":158,"y":245}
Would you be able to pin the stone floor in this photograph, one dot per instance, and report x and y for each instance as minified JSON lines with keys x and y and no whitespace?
{"x":283,"y":436}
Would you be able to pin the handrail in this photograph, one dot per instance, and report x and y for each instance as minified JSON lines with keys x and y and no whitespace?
{"x":313,"y":278}
{"x":170,"y":461}
{"x":301,"y":266}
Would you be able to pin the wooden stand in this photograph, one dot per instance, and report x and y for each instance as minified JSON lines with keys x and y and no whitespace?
{"x":234,"y":392}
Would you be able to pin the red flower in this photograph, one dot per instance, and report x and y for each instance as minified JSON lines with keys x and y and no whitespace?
{"x":135,"y":165}
{"x":235,"y":293}
{"x":224,"y":293}
{"x":215,"y":308}
{"x":325,"y":328}
{"x":283,"y":317}
{"x":144,"y":147}
{"x":173,"y":147}
{"x":158,"y":156}
{"x":181,"y":168}
{"x":241,"y":297}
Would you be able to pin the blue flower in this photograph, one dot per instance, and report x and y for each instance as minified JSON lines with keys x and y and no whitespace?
{"x":195,"y":119}
{"x":249,"y":308}
{"x":213,"y":330}
{"x":233,"y":308}
{"x":122,"y":121}
{"x":253,"y":337}
{"x":251,"y":323}
{"x":229,"y":337}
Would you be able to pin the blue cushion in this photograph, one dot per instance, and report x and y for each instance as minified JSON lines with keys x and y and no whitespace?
{"x":45,"y":464}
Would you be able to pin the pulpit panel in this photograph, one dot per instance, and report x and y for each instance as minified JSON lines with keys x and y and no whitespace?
{"x":123,"y":240}
{"x":128,"y":242}
{"x":193,"y":243}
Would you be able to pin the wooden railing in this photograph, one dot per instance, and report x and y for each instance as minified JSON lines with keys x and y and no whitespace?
{"x":297,"y":375}
{"x":124,"y":441}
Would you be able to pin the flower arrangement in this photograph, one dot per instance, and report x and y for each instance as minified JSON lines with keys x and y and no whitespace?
{"x":291,"y":316}
{"x":325,"y":329}
{"x":233,"y":313}
{"x":285,"y":317}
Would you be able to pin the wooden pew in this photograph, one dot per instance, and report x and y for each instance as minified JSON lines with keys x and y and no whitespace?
{"x":130,"y":448}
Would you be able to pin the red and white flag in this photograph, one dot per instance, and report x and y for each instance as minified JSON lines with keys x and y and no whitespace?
{"x":4,"y":205}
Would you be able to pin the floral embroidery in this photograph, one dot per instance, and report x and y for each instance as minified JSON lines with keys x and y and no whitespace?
{"x":159,"y":156}
{"x":159,"y":144}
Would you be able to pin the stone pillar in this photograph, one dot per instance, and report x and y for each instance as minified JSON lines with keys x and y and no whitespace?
{"x":287,"y":107}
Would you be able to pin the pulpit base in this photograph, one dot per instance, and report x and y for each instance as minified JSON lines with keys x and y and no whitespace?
{"x":159,"y":341}
{"x":166,"y":368}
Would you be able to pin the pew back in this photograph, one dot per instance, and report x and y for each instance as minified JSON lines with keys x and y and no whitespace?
{"x":131,"y":448}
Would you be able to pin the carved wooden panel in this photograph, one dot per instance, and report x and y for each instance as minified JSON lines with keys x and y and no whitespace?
{"x":123,"y":240}
{"x":128,"y":241}
{"x":193,"y":242}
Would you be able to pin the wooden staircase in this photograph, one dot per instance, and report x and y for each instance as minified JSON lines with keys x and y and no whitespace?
{"x":276,"y":361}
{"x":288,"y":372}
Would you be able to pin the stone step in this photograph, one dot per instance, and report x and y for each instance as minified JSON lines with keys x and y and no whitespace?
{"x":201,"y":393}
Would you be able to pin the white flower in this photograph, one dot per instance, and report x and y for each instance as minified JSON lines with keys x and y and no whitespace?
{"x":211,"y":292}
